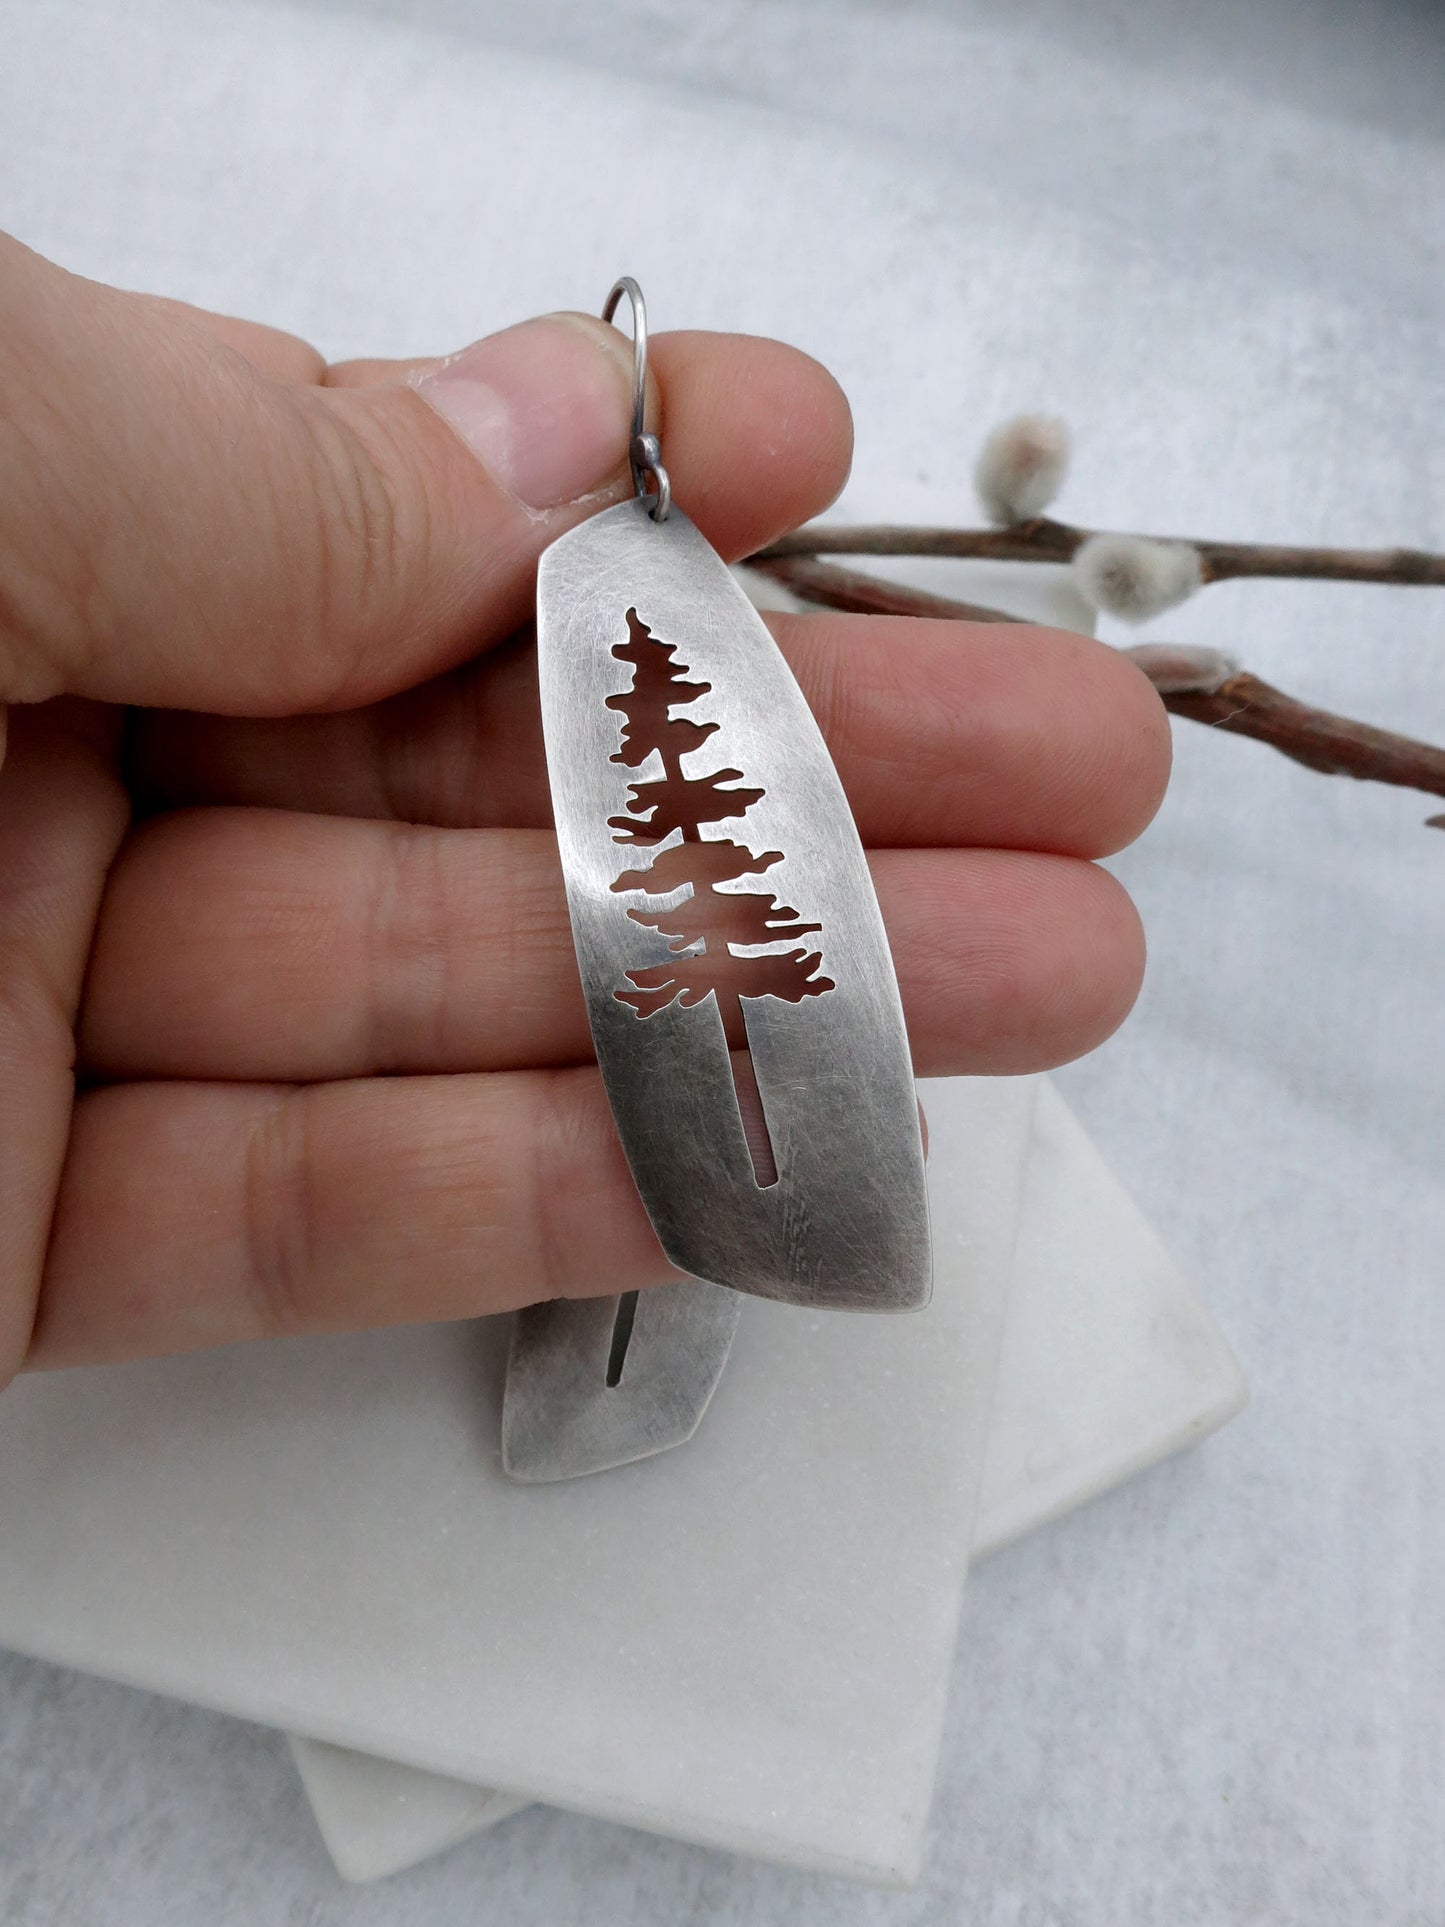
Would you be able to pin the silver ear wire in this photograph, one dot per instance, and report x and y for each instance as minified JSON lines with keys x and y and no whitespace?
{"x":644,"y":451}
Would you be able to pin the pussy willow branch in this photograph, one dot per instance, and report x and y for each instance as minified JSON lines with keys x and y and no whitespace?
{"x":1239,"y":703}
{"x":1044,"y":540}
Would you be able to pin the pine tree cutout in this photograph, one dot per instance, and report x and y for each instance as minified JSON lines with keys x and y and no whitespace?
{"x":712,"y":931}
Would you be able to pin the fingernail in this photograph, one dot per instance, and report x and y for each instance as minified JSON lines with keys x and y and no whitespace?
{"x":545,"y":406}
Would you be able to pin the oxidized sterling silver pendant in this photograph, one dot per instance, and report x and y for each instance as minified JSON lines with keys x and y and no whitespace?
{"x":738,"y":981}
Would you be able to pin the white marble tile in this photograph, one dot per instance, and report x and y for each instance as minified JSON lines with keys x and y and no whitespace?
{"x":1110,"y":1361}
{"x":745,"y":1643}
{"x":377,"y":1816}
{"x":1109,"y":1364}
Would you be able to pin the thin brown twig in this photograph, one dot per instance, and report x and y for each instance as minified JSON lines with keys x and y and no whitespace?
{"x":1045,"y":540}
{"x":1336,"y":745}
{"x":866,"y":595}
{"x":1240,"y":703}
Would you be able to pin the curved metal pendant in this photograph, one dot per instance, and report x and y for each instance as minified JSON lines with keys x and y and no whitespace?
{"x":598,"y":1382}
{"x":717,"y":887}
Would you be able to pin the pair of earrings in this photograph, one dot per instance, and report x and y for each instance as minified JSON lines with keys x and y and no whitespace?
{"x":738,"y":981}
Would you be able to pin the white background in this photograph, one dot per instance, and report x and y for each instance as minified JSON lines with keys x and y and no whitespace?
{"x":1213,"y":239}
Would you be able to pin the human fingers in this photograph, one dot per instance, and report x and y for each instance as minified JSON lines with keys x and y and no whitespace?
{"x":265,"y":944}
{"x":282,"y":356}
{"x":62,"y":814}
{"x":943,"y":732}
{"x":192,"y":1215}
{"x":179,"y":528}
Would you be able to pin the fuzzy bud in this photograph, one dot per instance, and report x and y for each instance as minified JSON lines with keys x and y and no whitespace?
{"x":1021,"y":468}
{"x":1183,"y":669}
{"x":1134,"y":577}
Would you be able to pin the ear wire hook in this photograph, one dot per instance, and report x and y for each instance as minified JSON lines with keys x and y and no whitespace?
{"x":644,"y":451}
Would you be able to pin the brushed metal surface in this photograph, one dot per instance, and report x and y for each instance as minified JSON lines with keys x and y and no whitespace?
{"x":561,"y":1417}
{"x":846,"y":1222}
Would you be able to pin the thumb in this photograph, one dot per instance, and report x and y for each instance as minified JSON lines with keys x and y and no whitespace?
{"x":178,"y":529}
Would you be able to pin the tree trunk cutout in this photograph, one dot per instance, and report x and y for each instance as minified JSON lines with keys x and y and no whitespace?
{"x":727,"y":943}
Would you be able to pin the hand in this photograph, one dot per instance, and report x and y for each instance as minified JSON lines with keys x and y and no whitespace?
{"x":291,"y":1036}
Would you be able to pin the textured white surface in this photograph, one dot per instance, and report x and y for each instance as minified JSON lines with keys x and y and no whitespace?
{"x":1109,"y":1363}
{"x":1210,"y":238}
{"x":747,"y":1642}
{"x":377,"y":1816}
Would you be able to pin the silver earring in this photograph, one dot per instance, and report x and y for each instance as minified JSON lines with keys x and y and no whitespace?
{"x":718,"y":894}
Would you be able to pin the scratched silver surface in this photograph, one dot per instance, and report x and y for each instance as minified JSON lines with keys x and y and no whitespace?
{"x":846,"y":1224}
{"x":560,"y":1416}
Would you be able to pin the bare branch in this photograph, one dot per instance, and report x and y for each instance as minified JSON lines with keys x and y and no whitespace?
{"x":1335,"y":745}
{"x":1045,"y":540}
{"x":866,"y":595}
{"x":1238,"y":703}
